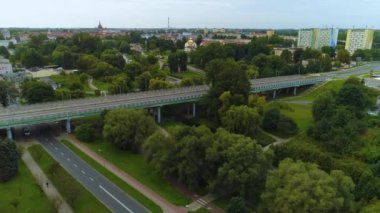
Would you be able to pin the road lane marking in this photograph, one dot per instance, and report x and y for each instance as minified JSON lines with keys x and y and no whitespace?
{"x":76,"y":166}
{"x":113,"y":197}
{"x":68,"y":159}
{"x":62,"y":154}
{"x":92,"y":179}
{"x":83,"y":172}
{"x":55,"y":148}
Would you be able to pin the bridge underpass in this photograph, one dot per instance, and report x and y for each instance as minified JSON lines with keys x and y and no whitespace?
{"x":67,"y":110}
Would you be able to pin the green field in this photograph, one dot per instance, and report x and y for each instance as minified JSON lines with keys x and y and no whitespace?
{"x":22,"y":194}
{"x":101,"y":85}
{"x":74,"y":193}
{"x":136,"y":166}
{"x":334,"y":85}
{"x":116,"y":180}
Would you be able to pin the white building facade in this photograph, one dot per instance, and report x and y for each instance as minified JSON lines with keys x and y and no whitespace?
{"x":359,"y":39}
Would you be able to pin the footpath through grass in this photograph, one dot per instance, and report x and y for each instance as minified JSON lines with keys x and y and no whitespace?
{"x":73,"y":192}
{"x":136,"y":166}
{"x":114,"y":179}
{"x":23,"y":194}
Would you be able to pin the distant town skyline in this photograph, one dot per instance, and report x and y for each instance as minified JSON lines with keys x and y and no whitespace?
{"x":275,"y":14}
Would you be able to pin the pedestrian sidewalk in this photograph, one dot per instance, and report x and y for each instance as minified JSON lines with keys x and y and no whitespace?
{"x":45,"y":184}
{"x":200,"y":203}
{"x":166,"y":206}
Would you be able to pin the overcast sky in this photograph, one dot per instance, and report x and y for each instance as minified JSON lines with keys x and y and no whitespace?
{"x":190,"y":13}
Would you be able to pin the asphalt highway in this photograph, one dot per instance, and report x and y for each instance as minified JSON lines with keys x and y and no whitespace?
{"x":104,"y":190}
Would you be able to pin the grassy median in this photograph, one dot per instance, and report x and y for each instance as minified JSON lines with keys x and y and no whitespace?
{"x":116,"y":180}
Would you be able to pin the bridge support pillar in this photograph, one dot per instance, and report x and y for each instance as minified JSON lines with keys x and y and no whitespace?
{"x":194,"y":109}
{"x":274,"y":94}
{"x":295,"y":91}
{"x":9,"y":133}
{"x":159,"y":115}
{"x":68,"y":126}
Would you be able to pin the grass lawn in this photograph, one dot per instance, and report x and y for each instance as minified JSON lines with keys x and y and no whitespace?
{"x":22,"y":191}
{"x":101,"y":85}
{"x":66,"y":80}
{"x":188,"y":74}
{"x":74,"y":193}
{"x":116,"y":180}
{"x":136,"y":166}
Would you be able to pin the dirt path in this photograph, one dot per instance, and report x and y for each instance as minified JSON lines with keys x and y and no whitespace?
{"x":278,"y":141}
{"x":45,"y":184}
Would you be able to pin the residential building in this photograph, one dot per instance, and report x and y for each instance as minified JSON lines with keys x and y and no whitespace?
{"x":317,"y":38}
{"x":359,"y":39}
{"x":5,"y":67}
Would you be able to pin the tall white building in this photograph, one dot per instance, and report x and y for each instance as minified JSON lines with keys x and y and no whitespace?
{"x":317,"y":38}
{"x":5,"y":67}
{"x":359,"y":39}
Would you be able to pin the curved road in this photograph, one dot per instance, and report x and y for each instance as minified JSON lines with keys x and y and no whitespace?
{"x":103,"y":189}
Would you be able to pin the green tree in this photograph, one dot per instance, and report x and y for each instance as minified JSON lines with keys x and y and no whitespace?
{"x":32,"y":58}
{"x":7,"y":93}
{"x":226,"y":75}
{"x":173,"y":62}
{"x":351,"y":95}
{"x":157,"y":84}
{"x":257,"y":102}
{"x":119,"y":84}
{"x":271,"y":119}
{"x":287,"y":56}
{"x":158,"y":149}
{"x":127,"y":129}
{"x":237,"y":205}
{"x":85,"y":132}
{"x":189,"y":154}
{"x":114,"y":58}
{"x":303,"y":187}
{"x":242,"y":120}
{"x":287,"y":126}
{"x":182,"y":61}
{"x":238,"y":165}
{"x":344,"y":56}
{"x":37,"y":92}
{"x":323,"y":106}
{"x":8,"y":160}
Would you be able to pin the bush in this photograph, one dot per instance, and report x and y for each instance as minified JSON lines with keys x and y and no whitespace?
{"x":287,"y":126}
{"x":271,"y":119}
{"x":85,"y":132}
{"x":8,"y":160}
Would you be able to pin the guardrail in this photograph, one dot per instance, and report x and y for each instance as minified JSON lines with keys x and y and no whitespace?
{"x":56,"y":111}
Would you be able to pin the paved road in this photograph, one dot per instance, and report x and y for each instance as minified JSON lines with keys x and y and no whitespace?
{"x":105,"y":191}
